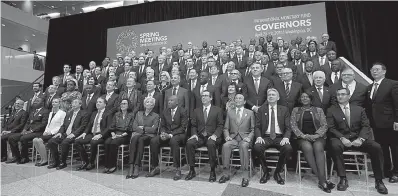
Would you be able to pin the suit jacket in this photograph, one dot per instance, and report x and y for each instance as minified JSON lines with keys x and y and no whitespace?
{"x":196,"y":98}
{"x":150,"y":126}
{"x":253,"y":98}
{"x":105,"y":123}
{"x":48,"y":101}
{"x":243,"y":128}
{"x":29,"y":103}
{"x":327,"y":68}
{"x":166,"y":67}
{"x":214,"y":124}
{"x":135,"y":99}
{"x":269,"y":70}
{"x":330,"y":46}
{"x":358,"y":97}
{"x":141,"y":76}
{"x":100,"y":80}
{"x":383,"y":110}
{"x":326,"y":99}
{"x":90,"y":107}
{"x":176,"y":125}
{"x":59,"y":91}
{"x":290,"y":100}
{"x":182,"y":96}
{"x":339,"y":127}
{"x":158,"y":102}
{"x":262,"y":121}
{"x":55,"y":122}
{"x":153,"y":63}
{"x":37,"y":121}
{"x":17,"y":121}
{"x":122,"y":78}
{"x":79,"y":125}
{"x":112,"y":103}
{"x":318,"y":63}
{"x":63,"y":82}
{"x":242,"y":65}
{"x":79,"y":81}
{"x":304,"y":80}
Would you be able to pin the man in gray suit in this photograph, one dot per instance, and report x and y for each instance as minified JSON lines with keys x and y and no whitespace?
{"x":238,"y":132}
{"x":181,"y":93}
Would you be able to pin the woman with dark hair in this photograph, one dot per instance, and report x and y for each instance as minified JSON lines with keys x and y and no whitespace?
{"x":121,"y":126}
{"x":71,"y":94}
{"x":309,"y":125}
{"x":228,"y":102}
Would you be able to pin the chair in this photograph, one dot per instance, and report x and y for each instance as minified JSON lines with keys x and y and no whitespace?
{"x":355,"y":162}
{"x":168,"y":156}
{"x":204,"y":150}
{"x":235,"y":157}
{"x":146,"y":158}
{"x":122,"y":153}
{"x":100,"y":152}
{"x":302,"y":160}
{"x":273,"y":160}
{"x":48,"y":152}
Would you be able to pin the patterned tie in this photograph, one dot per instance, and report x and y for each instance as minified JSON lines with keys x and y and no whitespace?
{"x":174,"y":91}
{"x":256,"y":84}
{"x":172,"y":114}
{"x":320,"y":93}
{"x":69,"y":130}
{"x":347,"y":115}
{"x":287,"y":88}
{"x":272,"y":131}
{"x":205,"y":114}
{"x":376,"y":85}
{"x":96,"y":121}
{"x":88,"y":99}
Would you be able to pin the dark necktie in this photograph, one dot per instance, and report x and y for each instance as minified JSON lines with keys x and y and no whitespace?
{"x":88,"y":99}
{"x":256,"y":84}
{"x":174,"y":91}
{"x":205,"y":114}
{"x":320,"y":93}
{"x":347,"y":115}
{"x":272,"y":131}
{"x":336,"y":77}
{"x":287,"y":88}
{"x":376,"y":85}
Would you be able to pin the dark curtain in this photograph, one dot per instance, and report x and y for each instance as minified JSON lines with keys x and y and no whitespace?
{"x":363,"y":31}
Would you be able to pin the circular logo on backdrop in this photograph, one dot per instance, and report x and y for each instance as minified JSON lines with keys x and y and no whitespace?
{"x":126,"y":42}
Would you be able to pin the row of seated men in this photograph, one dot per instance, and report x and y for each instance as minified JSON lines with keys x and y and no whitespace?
{"x":347,"y":127}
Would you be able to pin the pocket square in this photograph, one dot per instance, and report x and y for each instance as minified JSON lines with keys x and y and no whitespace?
{"x":343,"y":118}
{"x":40,"y":115}
{"x":265,"y":114}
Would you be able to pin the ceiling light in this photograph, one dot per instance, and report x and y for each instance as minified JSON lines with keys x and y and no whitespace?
{"x":52,"y":6}
{"x":3,"y":25}
{"x":53,"y":15}
{"x":33,"y":35}
{"x":26,"y":40}
{"x":106,"y":5}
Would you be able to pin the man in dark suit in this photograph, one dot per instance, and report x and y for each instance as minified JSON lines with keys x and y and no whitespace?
{"x":321,"y":58}
{"x":238,"y":133}
{"x":204,"y":85}
{"x":98,"y":77}
{"x":172,"y":133}
{"x":59,"y":90}
{"x":161,"y":66}
{"x":358,"y":91}
{"x":74,"y":124}
{"x":150,"y":92}
{"x":13,"y":126}
{"x":78,"y":75}
{"x":335,"y":74}
{"x":272,"y":130}
{"x":182,"y":93}
{"x":51,"y":94}
{"x":320,"y":93}
{"x":141,"y":74}
{"x":95,"y":133}
{"x":233,"y":77}
{"x":37,"y":93}
{"x":207,"y":124}
{"x":150,"y":61}
{"x":89,"y":100}
{"x":111,"y":98}
{"x":257,"y":87}
{"x":203,"y":66}
{"x":329,"y":45}
{"x":349,"y":129}
{"x":269,"y":42}
{"x":240,"y":60}
{"x":382,"y":100}
{"x":327,"y":67}
{"x":124,"y":75}
{"x":289,"y":90}
{"x":306,"y":78}
{"x":215,"y":79}
{"x":34,"y":127}
{"x":66,"y":73}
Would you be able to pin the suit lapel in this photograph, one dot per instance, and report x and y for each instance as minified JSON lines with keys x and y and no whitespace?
{"x":339,"y":110}
{"x":244,"y":114}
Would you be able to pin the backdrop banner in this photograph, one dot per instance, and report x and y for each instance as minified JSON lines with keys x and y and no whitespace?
{"x":285,"y":22}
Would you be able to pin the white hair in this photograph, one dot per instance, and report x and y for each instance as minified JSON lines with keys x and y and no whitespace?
{"x":319,"y":74}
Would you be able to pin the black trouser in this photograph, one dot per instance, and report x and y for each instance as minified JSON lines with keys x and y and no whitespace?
{"x":211,"y":145}
{"x":388,"y":138}
{"x":24,"y":139}
{"x":111,"y":149}
{"x":4,"y":140}
{"x":137,"y":144}
{"x":369,"y":146}
{"x":285,"y":152}
{"x":88,"y":139}
{"x":175,"y":142}
{"x":314,"y":154}
{"x":65,"y":144}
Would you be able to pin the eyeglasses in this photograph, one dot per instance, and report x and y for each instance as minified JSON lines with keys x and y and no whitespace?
{"x":162,"y":75}
{"x":347,"y":74}
{"x":376,"y":69}
{"x":286,"y":73}
{"x":342,"y":94}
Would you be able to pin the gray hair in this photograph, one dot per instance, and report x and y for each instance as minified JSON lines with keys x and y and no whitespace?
{"x":319,"y":74}
{"x":273,"y":89}
{"x":150,"y":99}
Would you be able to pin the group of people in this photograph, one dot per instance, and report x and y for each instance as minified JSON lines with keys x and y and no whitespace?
{"x":290,"y":96}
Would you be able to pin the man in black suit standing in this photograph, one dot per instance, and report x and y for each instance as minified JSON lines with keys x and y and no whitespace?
{"x":358,"y":91}
{"x":272,"y":130}
{"x":150,"y":61}
{"x":13,"y":126}
{"x":329,"y":45}
{"x":306,"y":78}
{"x":334,"y":74}
{"x":327,"y":67}
{"x":79,"y":76}
{"x":50,"y":95}
{"x":150,"y":92}
{"x":382,"y":103}
{"x":207,"y":125}
{"x":320,"y":93}
{"x":74,"y":124}
{"x":240,"y":60}
{"x":289,"y":90}
{"x":34,"y":127}
{"x":66,"y":73}
{"x":141,"y":74}
{"x":37,"y":93}
{"x":172,"y":133}
{"x":320,"y":59}
{"x":89,"y":100}
{"x":112,"y":99}
{"x":257,"y":87}
{"x":349,"y":129}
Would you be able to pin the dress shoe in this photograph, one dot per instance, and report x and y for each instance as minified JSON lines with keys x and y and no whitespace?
{"x":130,"y":172}
{"x":178,"y":175}
{"x":43,"y":164}
{"x":191,"y":174}
{"x":264,"y":179}
{"x":90,"y":166}
{"x":82,"y":167}
{"x":393,"y":179}
{"x":13,"y":160}
{"x":331,"y":185}
{"x":212,"y":177}
{"x":136,"y":172}
{"x":24,"y":160}
{"x":37,"y":164}
{"x":324,"y":187}
{"x":245,"y":182}
{"x":52,"y":166}
{"x":61,"y":166}
{"x":223,"y":179}
{"x":111,"y":170}
{"x":278,"y":178}
{"x":106,"y":170}
{"x":3,"y":159}
{"x":154,"y":172}
{"x":380,"y":187}
{"x":342,"y":185}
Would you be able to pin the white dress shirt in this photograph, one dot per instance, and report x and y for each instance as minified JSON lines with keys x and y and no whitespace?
{"x":333,"y":76}
{"x":277,"y":129}
{"x":350,"y":87}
